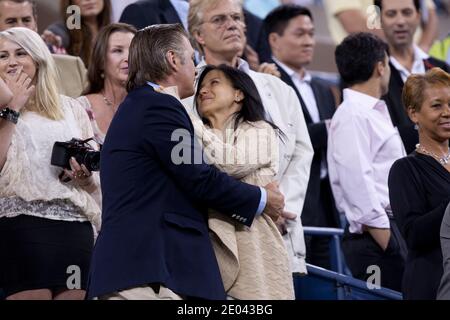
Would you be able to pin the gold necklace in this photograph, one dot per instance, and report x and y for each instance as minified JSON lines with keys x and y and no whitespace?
{"x":107,"y":102}
{"x":444,"y":160}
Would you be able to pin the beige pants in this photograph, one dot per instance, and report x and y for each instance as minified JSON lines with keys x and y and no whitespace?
{"x":143,"y":293}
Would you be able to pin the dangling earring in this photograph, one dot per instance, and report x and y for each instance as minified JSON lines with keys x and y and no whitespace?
{"x":102,"y":75}
{"x":416,"y":126}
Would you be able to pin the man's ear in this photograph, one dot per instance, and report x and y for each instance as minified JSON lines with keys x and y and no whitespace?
{"x":381,"y":68}
{"x":419,"y":15}
{"x":198,"y":36}
{"x":171,"y":58}
{"x":36,"y":23}
{"x":273,"y":40}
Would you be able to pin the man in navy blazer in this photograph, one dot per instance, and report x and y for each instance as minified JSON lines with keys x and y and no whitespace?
{"x":154,"y":238}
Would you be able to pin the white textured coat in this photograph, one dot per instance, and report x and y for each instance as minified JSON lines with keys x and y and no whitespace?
{"x":296,"y":152}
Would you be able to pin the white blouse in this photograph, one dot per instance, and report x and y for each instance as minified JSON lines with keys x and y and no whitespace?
{"x":28,"y":174}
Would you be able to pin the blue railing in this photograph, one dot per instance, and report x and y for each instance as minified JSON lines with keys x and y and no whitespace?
{"x":336,"y":284}
{"x":335,"y":234}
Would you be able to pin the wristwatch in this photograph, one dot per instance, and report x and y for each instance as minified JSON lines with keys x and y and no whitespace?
{"x":9,"y":115}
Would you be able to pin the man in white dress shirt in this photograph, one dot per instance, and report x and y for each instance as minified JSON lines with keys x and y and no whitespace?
{"x":290,"y":31}
{"x":362,"y":146}
{"x":218,"y":29}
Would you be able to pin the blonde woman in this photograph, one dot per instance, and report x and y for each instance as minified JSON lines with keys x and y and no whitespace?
{"x":46,"y":232}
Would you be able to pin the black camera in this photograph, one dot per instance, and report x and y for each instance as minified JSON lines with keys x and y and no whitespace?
{"x":80,"y":150}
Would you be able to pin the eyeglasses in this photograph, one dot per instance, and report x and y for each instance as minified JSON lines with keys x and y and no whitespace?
{"x":221,"y":19}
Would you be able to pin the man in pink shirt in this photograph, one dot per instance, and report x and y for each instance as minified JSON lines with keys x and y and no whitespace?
{"x":362,"y":146}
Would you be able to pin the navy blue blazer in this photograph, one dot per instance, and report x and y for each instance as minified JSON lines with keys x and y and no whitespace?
{"x":145,"y":13}
{"x":154,"y":219}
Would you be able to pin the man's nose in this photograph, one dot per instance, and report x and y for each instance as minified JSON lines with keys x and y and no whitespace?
{"x":231,"y":23}
{"x":309,"y":40}
{"x":400,"y":19}
{"x":20,"y":24}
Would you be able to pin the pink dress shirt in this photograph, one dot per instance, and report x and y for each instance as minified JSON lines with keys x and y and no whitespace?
{"x":362,"y":146}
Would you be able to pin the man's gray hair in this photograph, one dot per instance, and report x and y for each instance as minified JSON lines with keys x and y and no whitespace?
{"x":147,"y":58}
{"x":197,"y":9}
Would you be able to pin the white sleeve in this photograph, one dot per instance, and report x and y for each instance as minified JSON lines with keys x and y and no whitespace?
{"x":354,"y":171}
{"x":294,"y":181}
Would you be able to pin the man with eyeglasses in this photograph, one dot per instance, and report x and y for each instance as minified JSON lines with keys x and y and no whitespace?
{"x":149,"y":12}
{"x":218,"y":29}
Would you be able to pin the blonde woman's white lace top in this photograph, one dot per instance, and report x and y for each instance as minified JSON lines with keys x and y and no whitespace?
{"x":28,"y":176}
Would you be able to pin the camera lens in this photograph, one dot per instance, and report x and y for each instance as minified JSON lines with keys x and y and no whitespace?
{"x":92,"y":160}
{"x":60,"y":155}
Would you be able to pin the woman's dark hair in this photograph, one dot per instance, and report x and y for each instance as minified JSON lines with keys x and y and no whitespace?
{"x":81,"y":39}
{"x":252,"y":107}
{"x":98,"y":57}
